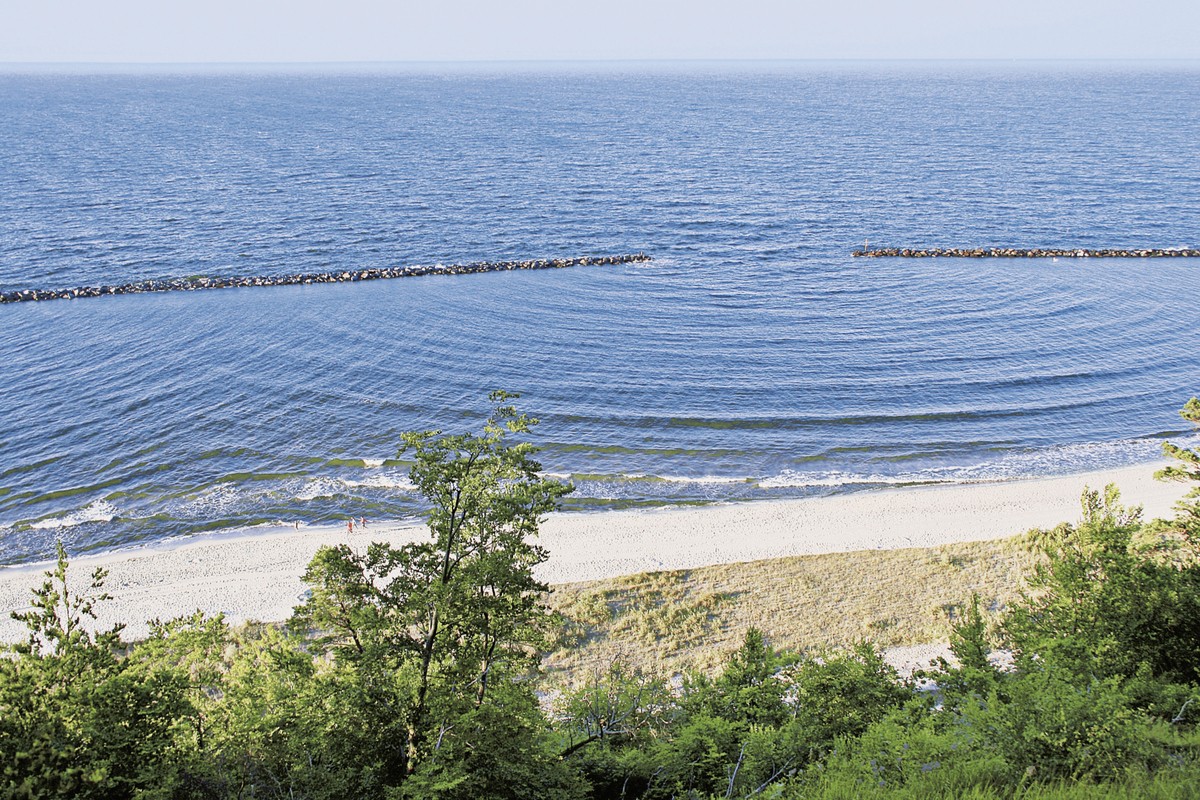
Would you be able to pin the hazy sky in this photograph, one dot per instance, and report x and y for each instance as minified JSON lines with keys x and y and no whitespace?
{"x":504,"y":30}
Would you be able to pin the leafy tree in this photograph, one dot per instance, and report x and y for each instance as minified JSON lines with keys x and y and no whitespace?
{"x":60,"y":621}
{"x":968,"y":638}
{"x":610,"y":724}
{"x":359,"y":602}
{"x":1187,"y":469}
{"x":429,"y":628}
{"x":196,"y":647}
{"x":765,"y":717}
{"x":842,"y":694}
{"x":973,"y":676}
{"x":729,"y":730}
{"x":754,"y":684}
{"x":75,"y":720}
{"x":501,"y":749}
{"x":619,"y":706}
{"x":482,"y":604}
{"x":303,"y":727}
{"x":935,"y":755}
{"x":1098,"y":606}
{"x":1051,"y":723}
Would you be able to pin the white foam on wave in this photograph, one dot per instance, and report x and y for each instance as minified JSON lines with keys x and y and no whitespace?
{"x":322,"y":486}
{"x":233,"y":498}
{"x":633,"y":477}
{"x":99,"y":511}
{"x":400,"y":482}
{"x":702,"y":479}
{"x":639,"y":485}
{"x":373,"y":463}
{"x":215,"y":499}
{"x":790,"y":479}
{"x":1053,"y":461}
{"x":1079,"y":457}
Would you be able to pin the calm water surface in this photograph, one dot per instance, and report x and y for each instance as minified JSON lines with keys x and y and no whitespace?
{"x":754,"y":358}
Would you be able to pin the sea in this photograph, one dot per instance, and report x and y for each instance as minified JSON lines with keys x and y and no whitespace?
{"x":753,"y":358}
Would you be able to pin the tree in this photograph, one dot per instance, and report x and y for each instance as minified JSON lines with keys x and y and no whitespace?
{"x":76,"y":720}
{"x":501,"y":750}
{"x":434,"y":625}
{"x":1187,"y":469}
{"x":968,"y":639}
{"x":60,"y":622}
{"x":752,"y":689}
{"x":480,"y":606}
{"x":621,"y":705}
{"x":1100,"y":606}
{"x":842,"y":694}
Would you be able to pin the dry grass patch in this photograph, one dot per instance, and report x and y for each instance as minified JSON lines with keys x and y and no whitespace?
{"x":667,"y":621}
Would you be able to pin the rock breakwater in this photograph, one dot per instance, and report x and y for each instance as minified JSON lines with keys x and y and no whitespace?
{"x":197,"y":282}
{"x":1021,"y":252}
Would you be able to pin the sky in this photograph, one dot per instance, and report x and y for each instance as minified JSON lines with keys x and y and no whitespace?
{"x":306,"y":31}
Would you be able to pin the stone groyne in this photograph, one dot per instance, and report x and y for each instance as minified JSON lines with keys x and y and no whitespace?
{"x":194,"y":283}
{"x":1021,"y":252}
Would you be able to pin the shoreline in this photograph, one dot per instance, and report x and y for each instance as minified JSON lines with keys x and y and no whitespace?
{"x":255,"y":575}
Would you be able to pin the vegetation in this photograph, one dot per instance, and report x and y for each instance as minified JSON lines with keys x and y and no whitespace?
{"x":670,"y":621}
{"x":413,"y":672}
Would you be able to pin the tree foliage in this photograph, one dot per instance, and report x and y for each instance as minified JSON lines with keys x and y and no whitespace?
{"x":431,"y":628}
{"x":1186,"y":468}
{"x":1099,"y":603}
{"x":75,"y":719}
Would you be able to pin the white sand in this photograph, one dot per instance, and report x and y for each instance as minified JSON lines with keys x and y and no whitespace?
{"x":257,"y":575}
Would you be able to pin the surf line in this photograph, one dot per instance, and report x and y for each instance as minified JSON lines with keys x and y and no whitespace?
{"x":1021,"y":252}
{"x":197,"y":282}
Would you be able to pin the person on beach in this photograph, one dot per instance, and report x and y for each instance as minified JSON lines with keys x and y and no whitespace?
{"x":362,"y":523}
{"x":350,"y":525}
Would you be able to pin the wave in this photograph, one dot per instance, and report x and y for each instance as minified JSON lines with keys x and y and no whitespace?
{"x":704,"y":479}
{"x":642,"y":477}
{"x":362,"y":463}
{"x":1065,"y":459}
{"x":99,"y":511}
{"x":825,"y":422}
{"x":23,"y":468}
{"x":879,"y":467}
{"x":214,"y":500}
{"x":240,"y":500}
{"x":315,"y":488}
{"x":324,"y":486}
{"x":401,"y":483}
{"x":790,"y":479}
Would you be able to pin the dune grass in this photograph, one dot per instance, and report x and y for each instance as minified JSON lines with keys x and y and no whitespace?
{"x":670,"y":621}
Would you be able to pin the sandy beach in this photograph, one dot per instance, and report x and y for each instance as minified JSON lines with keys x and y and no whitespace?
{"x":255,"y":575}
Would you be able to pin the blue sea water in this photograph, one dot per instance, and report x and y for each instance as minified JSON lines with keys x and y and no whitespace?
{"x":753,"y":358}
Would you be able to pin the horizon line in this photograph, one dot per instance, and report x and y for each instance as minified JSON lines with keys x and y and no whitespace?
{"x":76,"y":66}
{"x":580,"y":60}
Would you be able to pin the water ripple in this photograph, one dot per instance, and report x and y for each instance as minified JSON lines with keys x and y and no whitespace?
{"x":753,"y":358}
